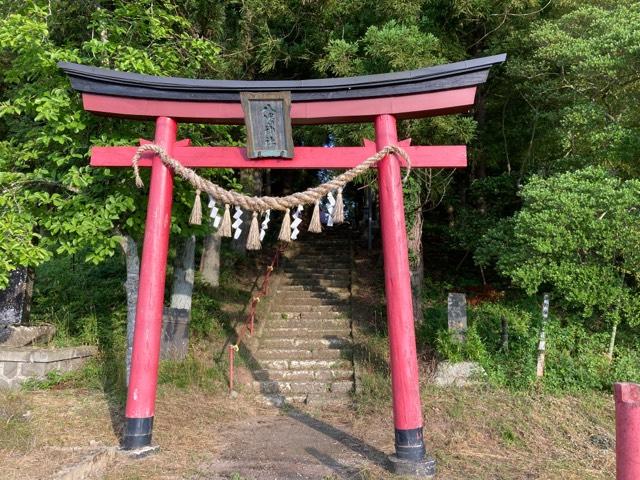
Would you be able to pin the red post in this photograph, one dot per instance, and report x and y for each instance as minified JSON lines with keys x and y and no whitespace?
{"x":407,"y":412}
{"x":141,"y":396}
{"x":232,"y":351}
{"x":627,"y":397}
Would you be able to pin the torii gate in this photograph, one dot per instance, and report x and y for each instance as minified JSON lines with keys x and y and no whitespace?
{"x":381,"y":99}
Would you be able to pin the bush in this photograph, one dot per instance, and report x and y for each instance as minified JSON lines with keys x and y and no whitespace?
{"x":514,"y":367}
{"x":456,"y":351}
{"x":575,"y":358}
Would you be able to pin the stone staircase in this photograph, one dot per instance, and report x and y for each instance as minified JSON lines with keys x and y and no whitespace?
{"x":304,"y":346}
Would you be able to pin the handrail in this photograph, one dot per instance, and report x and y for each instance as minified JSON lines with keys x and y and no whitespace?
{"x":249,"y":323}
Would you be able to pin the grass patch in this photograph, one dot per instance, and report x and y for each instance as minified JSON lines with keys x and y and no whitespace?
{"x":53,"y":379}
{"x":374,"y":391}
{"x":16,"y":430}
{"x":192,"y":372}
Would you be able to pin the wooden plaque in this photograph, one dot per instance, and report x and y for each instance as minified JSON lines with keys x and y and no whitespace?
{"x":268,"y":119}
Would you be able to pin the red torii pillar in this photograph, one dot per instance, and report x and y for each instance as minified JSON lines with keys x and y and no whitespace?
{"x":407,"y":410}
{"x":143,"y":379}
{"x":627,"y":402}
{"x":379,"y":99}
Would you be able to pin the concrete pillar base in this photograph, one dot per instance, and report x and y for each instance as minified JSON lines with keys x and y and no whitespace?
{"x":423,"y":469}
{"x":140,"y":452}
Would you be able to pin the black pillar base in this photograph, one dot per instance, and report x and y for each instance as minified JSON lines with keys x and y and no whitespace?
{"x":410,"y":457}
{"x":137,"y":433}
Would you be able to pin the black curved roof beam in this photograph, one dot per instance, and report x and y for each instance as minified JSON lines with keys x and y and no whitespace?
{"x":101,"y":81}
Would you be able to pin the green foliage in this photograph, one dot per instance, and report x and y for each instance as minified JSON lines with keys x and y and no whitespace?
{"x":51,"y":201}
{"x":514,"y":368}
{"x":575,"y":348}
{"x":577,"y":233}
{"x":575,"y":78}
{"x":454,"y":350}
{"x":52,"y":379}
{"x":488,"y":200}
{"x":94,"y":315}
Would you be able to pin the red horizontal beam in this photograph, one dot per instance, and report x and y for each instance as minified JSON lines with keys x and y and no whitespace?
{"x":302,"y":113}
{"x":449,"y":156}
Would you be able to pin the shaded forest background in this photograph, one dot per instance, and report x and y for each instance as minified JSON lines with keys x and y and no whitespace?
{"x":549,"y":202}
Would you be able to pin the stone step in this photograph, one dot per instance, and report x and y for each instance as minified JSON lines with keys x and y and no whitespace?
{"x":315,"y":266}
{"x":325,"y":239}
{"x":318,"y":283}
{"x":303,"y":375}
{"x":322,"y":242}
{"x":308,"y":321}
{"x":306,"y":293}
{"x":284,"y":387}
{"x":313,"y":330}
{"x":285,"y":288}
{"x":317,"y":269}
{"x":314,"y":298}
{"x":309,"y":311}
{"x":338,"y":294}
{"x":286,"y":301}
{"x":296,"y":289}
{"x":332,"y":342}
{"x":311,"y":399}
{"x":322,"y":257}
{"x":314,"y":276}
{"x":301,"y":354}
{"x":322,"y":249}
{"x":330,"y":253}
{"x":307,"y":364}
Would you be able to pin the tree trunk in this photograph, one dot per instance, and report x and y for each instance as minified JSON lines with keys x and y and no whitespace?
{"x":183,"y":274}
{"x":416,"y":265}
{"x":28,"y":295}
{"x":612,"y":342}
{"x":132,"y":261}
{"x":210,"y":260}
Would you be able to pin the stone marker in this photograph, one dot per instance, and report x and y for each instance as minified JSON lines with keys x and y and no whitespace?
{"x":457,"y":313}
{"x":458,"y":374}
{"x":15,"y":299}
{"x":175,"y":334}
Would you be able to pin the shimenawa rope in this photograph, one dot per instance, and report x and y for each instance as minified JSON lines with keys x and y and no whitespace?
{"x":261,"y":204}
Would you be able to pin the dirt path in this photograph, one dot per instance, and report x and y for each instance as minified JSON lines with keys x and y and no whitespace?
{"x":292,"y":444}
{"x":476,"y":434}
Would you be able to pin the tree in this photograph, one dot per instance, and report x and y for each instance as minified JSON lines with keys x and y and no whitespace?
{"x":571,"y":89}
{"x":578,"y":233}
{"x":51,"y":201}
